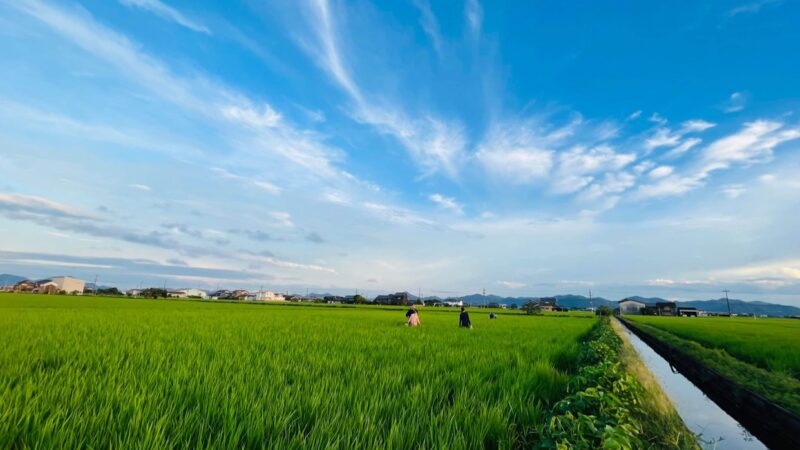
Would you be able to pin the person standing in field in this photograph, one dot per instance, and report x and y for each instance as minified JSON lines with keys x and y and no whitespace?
{"x":463,"y":319}
{"x":413,"y":317}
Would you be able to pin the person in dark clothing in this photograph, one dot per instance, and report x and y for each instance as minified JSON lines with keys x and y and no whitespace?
{"x":492,"y":315}
{"x":463,"y":319}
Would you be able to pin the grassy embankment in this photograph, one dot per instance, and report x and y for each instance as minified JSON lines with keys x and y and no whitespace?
{"x":96,"y":372}
{"x":758,"y":354}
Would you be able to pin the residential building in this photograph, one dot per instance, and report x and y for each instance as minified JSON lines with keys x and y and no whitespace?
{"x":547,"y":303}
{"x":187,"y":293}
{"x":453,"y":303}
{"x":666,"y":309}
{"x":25,"y":286}
{"x":686,"y":311}
{"x":133,"y":292}
{"x":55,"y":285}
{"x":398,"y":298}
{"x":269,"y":296}
{"x":630,"y":307}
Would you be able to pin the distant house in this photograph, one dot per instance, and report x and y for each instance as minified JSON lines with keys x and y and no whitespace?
{"x":666,"y":309}
{"x":25,"y":286}
{"x":269,"y":296}
{"x":398,"y":298}
{"x":133,"y":292}
{"x":53,"y":285}
{"x":630,"y":307}
{"x":239,"y":294}
{"x":453,"y":303}
{"x":221,"y":295}
{"x":688,"y":311}
{"x":46,"y":287}
{"x":333,"y":299}
{"x":547,"y":303}
{"x":187,"y":293}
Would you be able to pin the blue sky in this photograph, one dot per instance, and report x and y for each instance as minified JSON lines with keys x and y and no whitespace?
{"x":529,"y":148}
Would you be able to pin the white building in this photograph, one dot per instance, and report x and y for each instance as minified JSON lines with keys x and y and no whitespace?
{"x":188,"y":293}
{"x":454,"y":304}
{"x":69,"y":285}
{"x":269,"y":296}
{"x":628,"y":307}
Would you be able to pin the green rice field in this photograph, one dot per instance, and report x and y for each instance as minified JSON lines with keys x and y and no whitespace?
{"x":116,"y":373}
{"x":772,"y":344}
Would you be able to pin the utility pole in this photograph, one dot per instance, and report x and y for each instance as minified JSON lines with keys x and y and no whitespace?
{"x":484,"y":298}
{"x":94,"y":291}
{"x":727,"y":301}
{"x":590,"y":299}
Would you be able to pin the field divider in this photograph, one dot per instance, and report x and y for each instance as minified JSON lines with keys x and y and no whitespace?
{"x":773,"y":424}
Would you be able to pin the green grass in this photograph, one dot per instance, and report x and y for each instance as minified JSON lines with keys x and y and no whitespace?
{"x":114,"y":373}
{"x":772,"y":344}
{"x":779,"y":386}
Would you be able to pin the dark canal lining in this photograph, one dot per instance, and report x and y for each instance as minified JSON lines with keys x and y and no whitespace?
{"x":702,"y":416}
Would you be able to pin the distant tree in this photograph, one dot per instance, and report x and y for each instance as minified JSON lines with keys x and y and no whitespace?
{"x":153,"y":293}
{"x":532,"y":308}
{"x":604,"y":310}
{"x":109,"y":291}
{"x":360,"y":299}
{"x":514,"y":306}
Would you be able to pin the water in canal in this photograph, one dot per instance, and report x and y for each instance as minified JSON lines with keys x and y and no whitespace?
{"x":717,"y":430}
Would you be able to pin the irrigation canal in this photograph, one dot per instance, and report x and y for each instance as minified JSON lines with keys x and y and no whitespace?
{"x":717,"y":429}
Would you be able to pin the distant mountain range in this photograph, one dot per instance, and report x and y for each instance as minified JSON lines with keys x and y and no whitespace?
{"x":575,"y":301}
{"x":716,"y":305}
{"x":7,"y":279}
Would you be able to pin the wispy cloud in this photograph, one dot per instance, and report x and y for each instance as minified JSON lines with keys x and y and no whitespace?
{"x":736,"y":102}
{"x":166,"y":12}
{"x":447,"y":203}
{"x":512,"y":284}
{"x":141,"y":187}
{"x":752,"y":7}
{"x":429,"y":24}
{"x":434,"y":143}
{"x":754,"y":143}
{"x":473,"y":12}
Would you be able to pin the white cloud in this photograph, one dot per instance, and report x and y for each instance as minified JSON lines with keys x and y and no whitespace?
{"x":435,"y":144}
{"x":512,"y":284}
{"x":753,"y":144}
{"x":663,"y":137}
{"x":267,"y":118}
{"x":736,"y":102}
{"x":671,"y":185}
{"x":267,"y":186}
{"x":660,"y":172}
{"x":395,"y":214}
{"x":657,"y":118}
{"x":474,"y":15}
{"x":336,"y":197}
{"x":733,"y":190}
{"x":447,"y":203}
{"x":166,"y":12}
{"x":696,"y":126}
{"x":613,"y":183}
{"x":751,"y":7}
{"x":281,"y":218}
{"x":635,"y":115}
{"x":429,"y":24}
{"x":684,"y":147}
{"x":141,"y":187}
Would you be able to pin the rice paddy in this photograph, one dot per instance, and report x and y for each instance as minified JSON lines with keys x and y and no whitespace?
{"x":772,"y":344}
{"x":116,"y":373}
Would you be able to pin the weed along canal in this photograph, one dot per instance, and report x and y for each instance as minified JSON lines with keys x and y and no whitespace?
{"x":714,"y":427}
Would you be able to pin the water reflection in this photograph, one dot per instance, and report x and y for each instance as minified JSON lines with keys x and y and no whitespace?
{"x":714,"y":427}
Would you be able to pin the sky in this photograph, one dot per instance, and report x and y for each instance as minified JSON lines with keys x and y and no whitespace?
{"x":525,"y":148}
